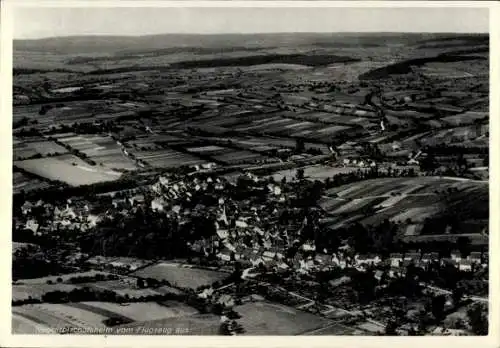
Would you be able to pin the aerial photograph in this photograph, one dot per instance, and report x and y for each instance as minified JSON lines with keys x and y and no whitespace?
{"x":250,"y":171}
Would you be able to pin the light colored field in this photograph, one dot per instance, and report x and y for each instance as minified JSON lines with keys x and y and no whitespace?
{"x":52,"y":317}
{"x":22,"y":325}
{"x":332,"y":129}
{"x":198,"y":324}
{"x":66,"y":90}
{"x":209,"y":148}
{"x":36,"y":291}
{"x":266,"y":318}
{"x":465,"y":118}
{"x":168,"y":158}
{"x":180,"y":276}
{"x":144,"y":311}
{"x":76,"y":316}
{"x":62,"y":168}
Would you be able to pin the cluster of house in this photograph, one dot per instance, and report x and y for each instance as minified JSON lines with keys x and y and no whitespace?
{"x":41,"y":217}
{"x":473,"y":260}
{"x":308,"y":260}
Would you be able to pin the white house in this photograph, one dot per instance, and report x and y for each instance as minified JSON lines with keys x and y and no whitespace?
{"x":224,"y":255}
{"x":367,"y":259}
{"x":396,"y":259}
{"x":456,"y":256}
{"x":465,"y":265}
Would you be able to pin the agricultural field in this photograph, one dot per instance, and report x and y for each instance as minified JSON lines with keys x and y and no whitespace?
{"x":315,"y":172}
{"x":266,"y":318}
{"x":30,"y":148}
{"x":136,"y":311}
{"x":126,"y":112}
{"x":181,"y":276}
{"x":36,"y":291}
{"x":58,"y":316}
{"x":22,"y":325}
{"x":407,"y":199}
{"x":92,"y":315}
{"x":236,"y":157}
{"x":197,"y":324}
{"x":130,"y":263}
{"x":101,"y":149}
{"x":128,"y":287}
{"x":69,"y":169}
{"x":21,"y":182}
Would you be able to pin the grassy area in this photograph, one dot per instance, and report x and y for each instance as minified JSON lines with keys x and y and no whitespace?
{"x":265,"y":318}
{"x":180,"y":276}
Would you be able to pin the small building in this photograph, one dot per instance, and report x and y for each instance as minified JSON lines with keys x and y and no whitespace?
{"x":268,"y":255}
{"x":412,"y":256}
{"x":378,"y":275}
{"x":456,"y":255}
{"x":396,"y":259}
{"x":448,"y":261}
{"x":465,"y":265}
{"x":369,"y":259}
{"x":430,"y":257}
{"x":475,"y":257}
{"x":224,"y":255}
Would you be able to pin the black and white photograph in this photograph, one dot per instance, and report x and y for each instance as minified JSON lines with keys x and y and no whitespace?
{"x":250,"y":171}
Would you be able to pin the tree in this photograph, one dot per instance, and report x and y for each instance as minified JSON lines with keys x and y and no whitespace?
{"x":428,"y":163}
{"x":224,"y":329}
{"x":463,"y":244}
{"x":300,"y":174}
{"x":299,"y":145}
{"x":437,"y":307}
{"x":390,"y":328}
{"x":457,"y":295}
{"x":478,"y":320}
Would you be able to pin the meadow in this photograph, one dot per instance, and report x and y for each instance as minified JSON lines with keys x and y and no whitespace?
{"x":197,"y":324}
{"x":266,"y":318}
{"x":69,"y":169}
{"x":315,"y":172}
{"x":180,"y":276}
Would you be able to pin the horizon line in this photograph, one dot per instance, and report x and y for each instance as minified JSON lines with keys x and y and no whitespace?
{"x":253,"y":33}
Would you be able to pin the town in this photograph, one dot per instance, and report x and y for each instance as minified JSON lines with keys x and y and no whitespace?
{"x":255,"y":192}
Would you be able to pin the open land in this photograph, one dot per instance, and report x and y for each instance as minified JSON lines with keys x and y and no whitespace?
{"x":264,"y":184}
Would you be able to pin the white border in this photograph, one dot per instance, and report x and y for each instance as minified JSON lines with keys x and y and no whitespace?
{"x":9,"y":340}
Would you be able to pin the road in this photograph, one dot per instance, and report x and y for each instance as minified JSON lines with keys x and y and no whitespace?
{"x":463,"y":179}
{"x":448,"y":292}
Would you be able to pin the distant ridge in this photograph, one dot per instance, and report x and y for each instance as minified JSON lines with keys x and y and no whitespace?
{"x":110,"y":44}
